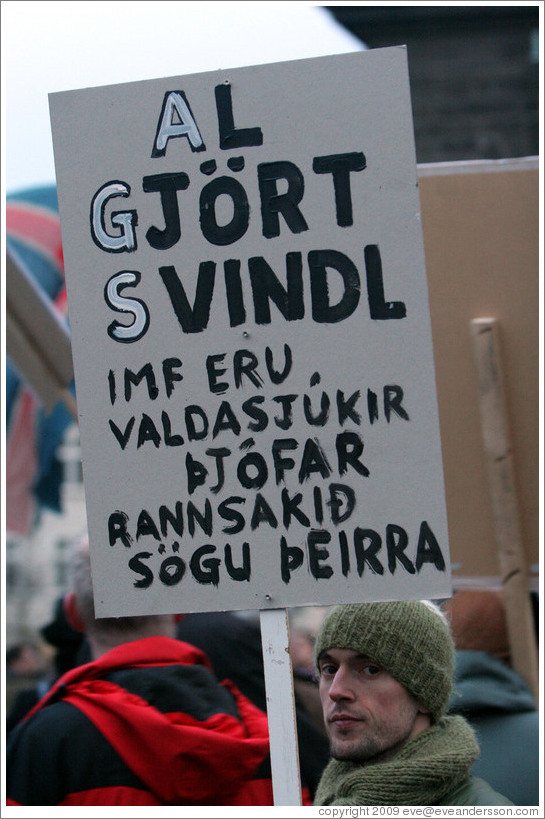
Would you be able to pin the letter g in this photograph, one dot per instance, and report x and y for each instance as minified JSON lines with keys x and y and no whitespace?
{"x":125,"y":220}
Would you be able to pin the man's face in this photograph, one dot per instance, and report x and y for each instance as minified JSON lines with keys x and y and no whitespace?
{"x":366,"y":711}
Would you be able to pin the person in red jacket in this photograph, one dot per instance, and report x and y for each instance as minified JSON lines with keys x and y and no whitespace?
{"x":146,"y":722}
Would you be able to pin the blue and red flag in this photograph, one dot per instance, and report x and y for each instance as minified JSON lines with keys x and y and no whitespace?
{"x":33,"y":470}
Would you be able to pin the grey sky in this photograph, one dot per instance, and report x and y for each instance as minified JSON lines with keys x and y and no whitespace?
{"x":54,"y":46}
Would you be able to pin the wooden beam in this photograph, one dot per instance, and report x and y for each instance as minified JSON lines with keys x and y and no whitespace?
{"x":501,"y":473}
{"x":280,"y":707}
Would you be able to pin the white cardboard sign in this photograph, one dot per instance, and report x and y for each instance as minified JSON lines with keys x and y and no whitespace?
{"x":251,"y":337}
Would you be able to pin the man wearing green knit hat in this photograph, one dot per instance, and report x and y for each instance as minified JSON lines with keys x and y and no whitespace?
{"x":386,"y":676}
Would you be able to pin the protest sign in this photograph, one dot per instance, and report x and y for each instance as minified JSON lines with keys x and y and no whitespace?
{"x":251,"y":337}
{"x":481,"y":237}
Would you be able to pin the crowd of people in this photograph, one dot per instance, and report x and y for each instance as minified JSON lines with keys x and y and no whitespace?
{"x":397,"y":703}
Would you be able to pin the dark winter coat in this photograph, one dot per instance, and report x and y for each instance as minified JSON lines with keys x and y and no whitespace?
{"x":474,"y":791}
{"x":501,"y":709}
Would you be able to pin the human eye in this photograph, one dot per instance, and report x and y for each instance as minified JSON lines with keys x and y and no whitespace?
{"x":371,"y":669}
{"x":327,"y":669}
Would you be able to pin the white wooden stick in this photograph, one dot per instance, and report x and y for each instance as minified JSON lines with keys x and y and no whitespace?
{"x":280,"y":707}
{"x":501,"y":473}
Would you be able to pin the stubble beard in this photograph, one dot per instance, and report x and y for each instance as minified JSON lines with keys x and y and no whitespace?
{"x":372,"y":744}
{"x":360,"y":750}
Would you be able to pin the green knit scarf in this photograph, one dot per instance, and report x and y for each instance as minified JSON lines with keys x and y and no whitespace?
{"x":422,"y":772}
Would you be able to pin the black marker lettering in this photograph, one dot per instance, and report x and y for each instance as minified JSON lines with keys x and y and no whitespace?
{"x":266,"y":287}
{"x":316,"y":556}
{"x":192,"y":319}
{"x":290,"y":509}
{"x":233,"y":230}
{"x":122,"y":437}
{"x":136,"y":564}
{"x":147,"y":431}
{"x":319,"y":262}
{"x":245,"y":363}
{"x":393,"y":396}
{"x":313,"y":460}
{"x":146,"y":526}
{"x":175,"y":519}
{"x":397,"y":541}
{"x":169,"y":376}
{"x":368,"y":555}
{"x":168,"y":185}
{"x":279,"y":377}
{"x":207,"y":571}
{"x":349,"y":448}
{"x":117,"y":529}
{"x":230,"y":136}
{"x":233,"y":288}
{"x":273,"y":203}
{"x":262,"y":513}
{"x":172,"y":570}
{"x":340,"y":165}
{"x":239,"y":573}
{"x":428,"y":549}
{"x":378,"y":307}
{"x":225,"y":511}
{"x":204,"y":520}
{"x":291,"y":557}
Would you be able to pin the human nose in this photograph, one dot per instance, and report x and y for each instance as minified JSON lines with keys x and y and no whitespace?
{"x":341,"y":687}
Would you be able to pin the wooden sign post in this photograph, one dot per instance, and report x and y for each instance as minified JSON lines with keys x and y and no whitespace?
{"x":280,"y":707}
{"x":252,"y":344}
{"x":485,"y":334}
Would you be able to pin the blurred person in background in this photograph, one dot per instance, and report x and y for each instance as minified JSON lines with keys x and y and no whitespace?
{"x":70,"y":649}
{"x":493,"y":697}
{"x":232,"y":642}
{"x":25,"y":660}
{"x":144,"y":723}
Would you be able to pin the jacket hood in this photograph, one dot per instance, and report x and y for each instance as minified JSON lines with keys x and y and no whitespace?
{"x":483,"y":682}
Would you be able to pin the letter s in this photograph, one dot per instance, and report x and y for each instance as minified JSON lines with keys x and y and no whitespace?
{"x":136,"y":564}
{"x":123,"y":304}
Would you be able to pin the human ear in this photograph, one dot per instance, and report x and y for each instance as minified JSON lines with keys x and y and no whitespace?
{"x":71,"y":612}
{"x":423,"y":710}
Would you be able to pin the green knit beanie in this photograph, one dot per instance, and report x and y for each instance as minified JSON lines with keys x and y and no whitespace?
{"x":410,"y":639}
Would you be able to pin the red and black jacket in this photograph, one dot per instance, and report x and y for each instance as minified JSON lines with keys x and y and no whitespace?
{"x":145,"y":724}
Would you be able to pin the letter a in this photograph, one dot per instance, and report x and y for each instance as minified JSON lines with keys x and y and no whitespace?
{"x":176,"y":120}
